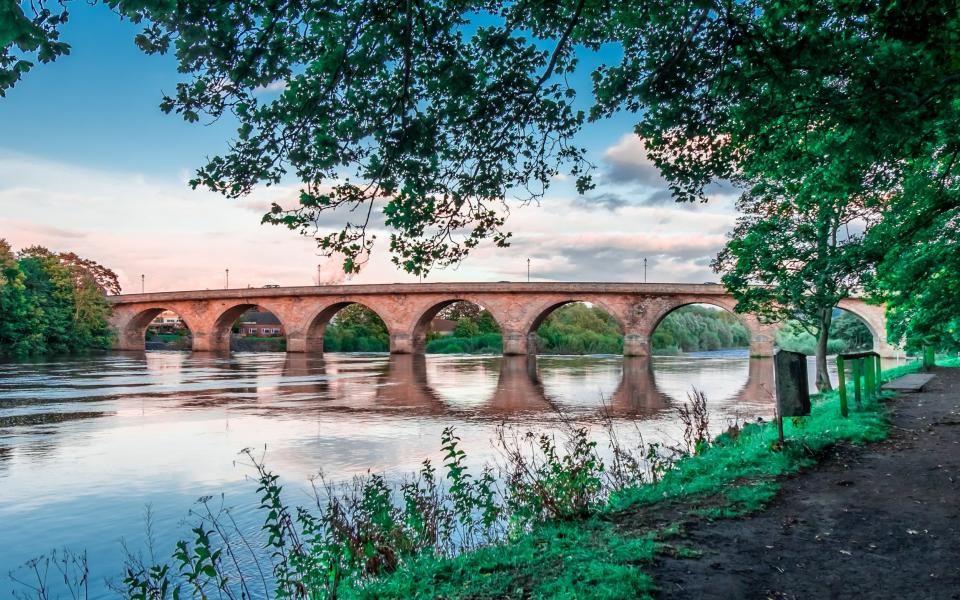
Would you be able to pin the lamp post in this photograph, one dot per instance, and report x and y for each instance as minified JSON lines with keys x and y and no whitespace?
{"x":228,"y":279}
{"x":528,"y":270}
{"x":143,"y":282}
{"x":644,"y":270}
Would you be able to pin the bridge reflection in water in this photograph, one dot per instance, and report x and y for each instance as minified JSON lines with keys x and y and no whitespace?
{"x":103,"y":435}
{"x":499,"y":387}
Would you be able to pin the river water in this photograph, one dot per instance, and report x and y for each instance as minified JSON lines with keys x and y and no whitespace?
{"x":87,"y":444}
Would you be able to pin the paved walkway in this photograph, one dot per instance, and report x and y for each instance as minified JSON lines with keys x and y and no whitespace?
{"x":879,"y":522}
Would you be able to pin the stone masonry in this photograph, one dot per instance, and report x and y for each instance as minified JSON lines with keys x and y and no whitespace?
{"x":407,"y":310}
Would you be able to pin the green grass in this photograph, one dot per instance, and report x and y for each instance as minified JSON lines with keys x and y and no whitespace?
{"x":604,"y":556}
{"x":586,"y":559}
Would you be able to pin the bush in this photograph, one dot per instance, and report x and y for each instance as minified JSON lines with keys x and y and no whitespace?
{"x":482,"y":344}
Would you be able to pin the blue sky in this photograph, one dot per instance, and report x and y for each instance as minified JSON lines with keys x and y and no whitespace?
{"x":89,"y":163}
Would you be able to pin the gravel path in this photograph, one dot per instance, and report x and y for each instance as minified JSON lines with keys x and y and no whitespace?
{"x":875,"y":522}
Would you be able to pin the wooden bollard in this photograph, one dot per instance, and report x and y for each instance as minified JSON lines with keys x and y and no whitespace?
{"x":842,"y":376}
{"x":856,"y":381}
{"x":879,"y":374}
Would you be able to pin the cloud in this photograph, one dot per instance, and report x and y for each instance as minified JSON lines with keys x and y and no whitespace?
{"x":273,"y":87}
{"x":288,"y":197}
{"x":627,"y":162}
{"x":185,"y":239}
{"x":608,"y":200}
{"x":46,"y":232}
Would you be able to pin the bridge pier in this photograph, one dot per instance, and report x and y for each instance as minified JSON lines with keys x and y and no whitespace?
{"x":762,"y":336}
{"x":761,"y":348}
{"x":204,"y":342}
{"x":298,"y":343}
{"x":401,"y":343}
{"x":516,"y":342}
{"x":635,"y":344}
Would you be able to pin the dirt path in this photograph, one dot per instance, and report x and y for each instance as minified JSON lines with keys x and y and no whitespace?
{"x":880,"y":522}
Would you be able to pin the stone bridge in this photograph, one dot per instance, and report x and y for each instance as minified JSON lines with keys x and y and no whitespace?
{"x":407,"y":310}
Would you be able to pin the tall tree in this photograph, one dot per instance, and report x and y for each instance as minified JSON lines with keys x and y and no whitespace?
{"x":49,"y":304}
{"x":50,"y":285}
{"x":88,"y":272}
{"x":790,"y":260}
{"x":918,"y":246}
{"x":823,"y":111}
{"x":21,"y":330}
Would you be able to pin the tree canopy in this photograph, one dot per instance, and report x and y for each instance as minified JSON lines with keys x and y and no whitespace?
{"x":52,"y":303}
{"x":429,"y":116}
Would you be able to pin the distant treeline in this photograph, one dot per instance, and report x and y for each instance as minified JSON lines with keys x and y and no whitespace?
{"x":698,"y":328}
{"x":581,"y":329}
{"x":52,"y":303}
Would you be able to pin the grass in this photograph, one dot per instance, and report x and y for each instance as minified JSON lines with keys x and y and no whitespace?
{"x":584,"y":559}
{"x":603,"y":557}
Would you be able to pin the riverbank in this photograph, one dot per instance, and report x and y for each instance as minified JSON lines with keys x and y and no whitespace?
{"x":657,"y":537}
{"x":880,"y":521}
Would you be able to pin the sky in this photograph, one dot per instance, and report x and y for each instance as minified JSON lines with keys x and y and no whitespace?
{"x":89,"y":164}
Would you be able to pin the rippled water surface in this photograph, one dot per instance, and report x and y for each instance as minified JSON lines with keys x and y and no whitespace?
{"x":87,"y":444}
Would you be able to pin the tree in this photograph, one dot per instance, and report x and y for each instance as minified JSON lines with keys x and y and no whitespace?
{"x":21,"y":329}
{"x":434,"y":113}
{"x":47,"y":306}
{"x":459,"y":310}
{"x":50,"y":286}
{"x":386,"y":107}
{"x":87,"y":272}
{"x":919,"y":274}
{"x":487,"y":323}
{"x":356,"y":328}
{"x":826,"y":110}
{"x":466,"y":327}
{"x":792,"y":257}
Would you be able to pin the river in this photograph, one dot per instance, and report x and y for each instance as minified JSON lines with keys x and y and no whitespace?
{"x":87,"y":444}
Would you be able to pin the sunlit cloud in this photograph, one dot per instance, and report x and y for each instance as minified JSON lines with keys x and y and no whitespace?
{"x":180,"y":238}
{"x":627,"y":162}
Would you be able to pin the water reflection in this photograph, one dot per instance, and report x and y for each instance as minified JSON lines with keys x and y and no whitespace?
{"x":86,"y":443}
{"x":509,"y":385}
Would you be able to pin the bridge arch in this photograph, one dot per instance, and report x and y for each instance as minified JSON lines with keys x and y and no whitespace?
{"x":221,"y":328}
{"x":316,"y":325}
{"x":132,"y":335}
{"x":726,"y":307}
{"x":874,"y":318}
{"x":418,"y":335}
{"x":543,"y":310}
{"x":762,"y":335}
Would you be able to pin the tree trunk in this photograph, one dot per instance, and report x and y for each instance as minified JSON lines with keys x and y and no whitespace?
{"x":823,"y":376}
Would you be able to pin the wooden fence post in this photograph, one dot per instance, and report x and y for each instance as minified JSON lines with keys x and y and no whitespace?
{"x":842,"y":376}
{"x":879,"y":363}
{"x":856,"y":381}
